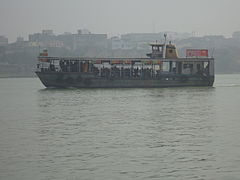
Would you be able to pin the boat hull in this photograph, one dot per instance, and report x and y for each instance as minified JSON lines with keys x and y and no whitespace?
{"x":88,"y":80}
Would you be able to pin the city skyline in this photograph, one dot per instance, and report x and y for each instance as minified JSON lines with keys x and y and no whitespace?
{"x":118,"y":17}
{"x":170,"y":34}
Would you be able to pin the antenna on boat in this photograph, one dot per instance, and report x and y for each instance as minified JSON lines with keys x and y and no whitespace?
{"x":164,"y":47}
{"x":165,"y":38}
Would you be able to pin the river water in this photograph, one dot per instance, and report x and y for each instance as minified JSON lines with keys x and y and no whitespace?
{"x":165,"y":133}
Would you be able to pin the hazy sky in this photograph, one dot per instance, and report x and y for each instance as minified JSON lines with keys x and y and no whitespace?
{"x":114,"y":17}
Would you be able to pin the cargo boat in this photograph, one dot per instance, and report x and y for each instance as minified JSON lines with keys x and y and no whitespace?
{"x":161,"y":68}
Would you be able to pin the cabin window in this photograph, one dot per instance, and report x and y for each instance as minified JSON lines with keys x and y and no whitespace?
{"x":165,"y":66}
{"x":174,"y":67}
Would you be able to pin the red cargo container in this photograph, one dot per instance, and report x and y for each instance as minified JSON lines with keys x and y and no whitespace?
{"x":197,"y":53}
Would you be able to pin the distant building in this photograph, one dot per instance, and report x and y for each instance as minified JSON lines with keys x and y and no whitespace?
{"x":89,"y":40}
{"x":125,"y":43}
{"x":84,"y":31}
{"x":45,"y":39}
{"x":47,"y":32}
{"x":36,"y":37}
{"x":67,"y":39}
{"x":142,"y":37}
{"x":116,"y":43}
{"x":54,"y":43}
{"x":35,"y":44}
{"x":140,"y":40}
{"x":20,"y":39}
{"x":46,"y":35}
{"x":136,"y":40}
{"x":3,"y":41}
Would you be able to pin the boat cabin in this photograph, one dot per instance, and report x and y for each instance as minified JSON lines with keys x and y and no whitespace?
{"x":163,"y":61}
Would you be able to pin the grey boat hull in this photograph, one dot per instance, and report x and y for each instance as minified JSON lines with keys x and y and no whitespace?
{"x":88,"y":80}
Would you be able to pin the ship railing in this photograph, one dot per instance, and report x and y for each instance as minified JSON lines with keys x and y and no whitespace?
{"x":123,"y":60}
{"x":53,"y":64}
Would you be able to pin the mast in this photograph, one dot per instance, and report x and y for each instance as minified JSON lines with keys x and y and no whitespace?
{"x":164,"y":48}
